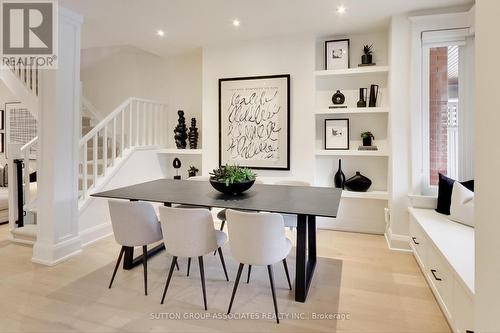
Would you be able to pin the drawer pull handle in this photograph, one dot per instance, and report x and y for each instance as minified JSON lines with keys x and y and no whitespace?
{"x":433,"y":271}
{"x":415,"y":240}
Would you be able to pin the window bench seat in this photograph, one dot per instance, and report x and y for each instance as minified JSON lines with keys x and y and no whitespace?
{"x":444,"y":251}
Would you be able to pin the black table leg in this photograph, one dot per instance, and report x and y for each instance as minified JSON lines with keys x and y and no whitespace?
{"x":130,"y":262}
{"x":306,"y":247}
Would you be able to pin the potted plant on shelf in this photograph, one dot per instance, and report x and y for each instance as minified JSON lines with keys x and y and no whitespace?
{"x":192,"y":171}
{"x":232,"y":179}
{"x":367,"y":138}
{"x":367,"y":57}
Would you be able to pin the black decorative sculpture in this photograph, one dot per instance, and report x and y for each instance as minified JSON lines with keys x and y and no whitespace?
{"x":358,"y":183}
{"x":193,"y":134}
{"x":177,"y":165}
{"x":339,"y":178}
{"x":180,"y":131}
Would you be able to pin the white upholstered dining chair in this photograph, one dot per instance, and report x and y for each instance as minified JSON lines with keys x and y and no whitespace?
{"x":134,"y":224}
{"x":258,"y":239}
{"x":190,"y":233}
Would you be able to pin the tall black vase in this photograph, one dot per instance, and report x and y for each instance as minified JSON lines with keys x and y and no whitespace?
{"x":339,"y":179}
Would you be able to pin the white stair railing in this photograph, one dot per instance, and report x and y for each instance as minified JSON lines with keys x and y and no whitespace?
{"x":29,"y":75}
{"x":27,"y":155}
{"x":136,"y":122}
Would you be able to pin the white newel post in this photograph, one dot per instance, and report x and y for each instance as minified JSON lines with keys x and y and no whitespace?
{"x":59,"y":122}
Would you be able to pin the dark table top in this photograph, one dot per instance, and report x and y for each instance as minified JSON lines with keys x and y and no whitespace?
{"x":307,"y":200}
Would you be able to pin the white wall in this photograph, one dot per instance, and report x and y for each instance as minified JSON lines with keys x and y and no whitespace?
{"x":294,"y":56}
{"x":399,"y":128}
{"x":112,"y":74}
{"x":487,"y":164}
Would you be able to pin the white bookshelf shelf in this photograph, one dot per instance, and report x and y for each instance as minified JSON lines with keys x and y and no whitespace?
{"x":352,"y":71}
{"x":174,"y":151}
{"x":327,"y":111}
{"x":370,"y":195}
{"x":323,"y":152}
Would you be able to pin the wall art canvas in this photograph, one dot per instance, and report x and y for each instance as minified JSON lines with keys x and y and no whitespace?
{"x":337,"y":134}
{"x":337,"y":54}
{"x":254,"y":122}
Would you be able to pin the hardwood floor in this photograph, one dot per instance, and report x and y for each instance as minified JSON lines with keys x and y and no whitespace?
{"x":356,"y":275}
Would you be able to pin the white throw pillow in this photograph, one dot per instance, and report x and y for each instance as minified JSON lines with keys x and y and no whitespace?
{"x":462,"y":205}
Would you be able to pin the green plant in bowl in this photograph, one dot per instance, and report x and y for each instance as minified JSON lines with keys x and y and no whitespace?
{"x":231,"y":174}
{"x":232,"y":179}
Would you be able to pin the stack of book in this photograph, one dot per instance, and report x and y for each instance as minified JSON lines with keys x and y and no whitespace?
{"x":368,"y":148}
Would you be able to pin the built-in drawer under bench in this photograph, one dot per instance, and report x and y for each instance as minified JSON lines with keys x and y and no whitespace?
{"x":444,"y":251}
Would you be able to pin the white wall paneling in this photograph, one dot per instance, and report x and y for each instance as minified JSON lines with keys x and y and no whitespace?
{"x":487,"y":163}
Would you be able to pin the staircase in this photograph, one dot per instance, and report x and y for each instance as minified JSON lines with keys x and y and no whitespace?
{"x":104,"y":147}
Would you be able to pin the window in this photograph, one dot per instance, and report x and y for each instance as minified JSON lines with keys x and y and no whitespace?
{"x":447,"y":89}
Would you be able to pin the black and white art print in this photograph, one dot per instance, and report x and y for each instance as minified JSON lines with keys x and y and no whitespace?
{"x":337,"y":134}
{"x":337,"y":54}
{"x":254,"y":122}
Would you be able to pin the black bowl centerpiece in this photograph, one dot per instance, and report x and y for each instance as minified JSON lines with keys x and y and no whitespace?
{"x":232,"y":179}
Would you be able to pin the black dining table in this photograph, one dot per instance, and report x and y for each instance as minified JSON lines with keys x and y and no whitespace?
{"x":307,"y":202}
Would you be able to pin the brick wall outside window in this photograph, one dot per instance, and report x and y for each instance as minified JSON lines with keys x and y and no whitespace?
{"x":438,"y":108}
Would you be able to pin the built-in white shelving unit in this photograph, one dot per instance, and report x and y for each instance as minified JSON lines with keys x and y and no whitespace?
{"x":372,"y":164}
{"x":374,"y":195}
{"x":328,"y":111}
{"x":379,"y":153}
{"x":353,"y":71}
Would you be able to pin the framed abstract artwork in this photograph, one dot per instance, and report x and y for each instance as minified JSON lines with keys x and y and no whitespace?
{"x":336,"y":134}
{"x":254,"y":122}
{"x":337,"y":54}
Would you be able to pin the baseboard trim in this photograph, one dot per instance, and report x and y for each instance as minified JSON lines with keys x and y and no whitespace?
{"x":52,"y":254}
{"x":94,"y":234}
{"x":397,"y":242}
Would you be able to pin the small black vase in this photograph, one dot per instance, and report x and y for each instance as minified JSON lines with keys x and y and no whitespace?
{"x":362,"y":97}
{"x":367,"y":142}
{"x":339,"y":179}
{"x":358,"y":183}
{"x":366,"y":59}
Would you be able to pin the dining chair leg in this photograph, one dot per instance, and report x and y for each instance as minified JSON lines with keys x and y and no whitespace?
{"x":174,"y":261}
{"x":240,"y":269}
{"x":287,"y":274}
{"x":189,"y":266}
{"x":223,"y":263}
{"x":202,"y":275}
{"x":177,"y":266}
{"x":116,"y":266}
{"x":271,"y":280}
{"x":145,"y":264}
{"x":249,"y":271}
{"x":221,"y":229}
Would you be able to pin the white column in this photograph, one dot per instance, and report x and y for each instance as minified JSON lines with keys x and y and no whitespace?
{"x":399,"y":129}
{"x":59,"y":123}
{"x":487,"y":164}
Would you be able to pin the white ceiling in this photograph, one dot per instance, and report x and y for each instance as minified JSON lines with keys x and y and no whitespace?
{"x":191,"y":24}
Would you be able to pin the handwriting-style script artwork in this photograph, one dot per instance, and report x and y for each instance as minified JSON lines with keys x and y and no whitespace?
{"x":254,"y":122}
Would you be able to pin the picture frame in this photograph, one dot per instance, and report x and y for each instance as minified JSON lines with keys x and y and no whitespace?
{"x":254,"y":122}
{"x":337,"y":54}
{"x":336,"y":135}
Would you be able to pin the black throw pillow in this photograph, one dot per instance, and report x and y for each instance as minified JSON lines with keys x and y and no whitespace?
{"x":444,"y":193}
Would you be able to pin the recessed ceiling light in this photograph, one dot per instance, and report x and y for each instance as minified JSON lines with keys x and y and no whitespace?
{"x":236,"y":23}
{"x":160,"y":33}
{"x":341,"y":10}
